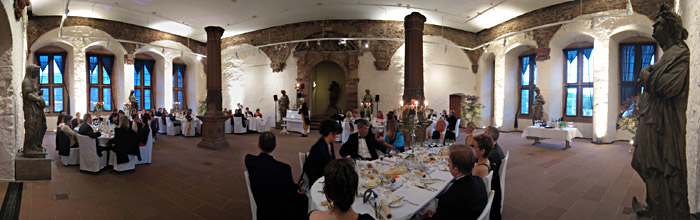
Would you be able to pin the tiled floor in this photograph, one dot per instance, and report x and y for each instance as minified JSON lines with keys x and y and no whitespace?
{"x":185,"y":182}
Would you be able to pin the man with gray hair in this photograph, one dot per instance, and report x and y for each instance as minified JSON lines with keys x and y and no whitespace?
{"x":363,"y":144}
{"x":495,"y":158}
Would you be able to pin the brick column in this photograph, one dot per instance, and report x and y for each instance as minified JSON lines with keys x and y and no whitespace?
{"x":213,"y":120}
{"x":413,"y":75}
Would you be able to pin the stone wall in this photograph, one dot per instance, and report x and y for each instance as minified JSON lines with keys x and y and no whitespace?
{"x":12,"y":47}
{"x":690,"y":12}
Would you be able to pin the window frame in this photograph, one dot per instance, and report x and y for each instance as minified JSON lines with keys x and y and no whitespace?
{"x":579,"y":85}
{"x":183,"y":88}
{"x":51,"y":85}
{"x":141,"y":85}
{"x":531,"y":86}
{"x":637,"y":67}
{"x":100,"y":81}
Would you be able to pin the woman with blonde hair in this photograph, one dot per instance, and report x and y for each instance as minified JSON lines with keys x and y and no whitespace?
{"x":394,"y":137}
{"x":470,"y":137}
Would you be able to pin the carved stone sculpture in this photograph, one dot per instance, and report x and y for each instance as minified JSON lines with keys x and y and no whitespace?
{"x":133,"y":102}
{"x":34,"y":118}
{"x":283,"y":105}
{"x":367,"y":103}
{"x":659,"y":157}
{"x":537,"y":106}
{"x":333,"y":97}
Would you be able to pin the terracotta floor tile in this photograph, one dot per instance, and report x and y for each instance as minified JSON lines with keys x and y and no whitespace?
{"x":595,"y":193}
{"x":209,"y":212}
{"x":550,"y":212}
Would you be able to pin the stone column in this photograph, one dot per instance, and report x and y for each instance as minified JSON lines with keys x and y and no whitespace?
{"x":413,"y":74}
{"x":213,"y":120}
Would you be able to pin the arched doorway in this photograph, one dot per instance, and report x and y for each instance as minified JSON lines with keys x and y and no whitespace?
{"x":328,"y":84}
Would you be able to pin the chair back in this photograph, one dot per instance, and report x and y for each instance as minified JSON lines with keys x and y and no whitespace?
{"x":253,"y":206}
{"x":88,"y":154}
{"x":346,"y":131}
{"x":487,"y":180}
{"x":269,"y":122}
{"x":227,"y":126}
{"x":302,"y":160}
{"x":459,"y":121}
{"x":502,"y":176}
{"x":487,"y":210}
{"x":238,"y":125}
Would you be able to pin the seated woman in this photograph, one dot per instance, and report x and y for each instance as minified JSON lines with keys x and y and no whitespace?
{"x":394,"y":137}
{"x":125,"y":141}
{"x":470,"y":137}
{"x":340,"y":188}
{"x":257,"y":113}
{"x":482,"y":146}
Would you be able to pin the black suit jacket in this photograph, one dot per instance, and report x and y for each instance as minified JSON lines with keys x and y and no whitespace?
{"x":465,"y":199}
{"x":125,"y":142}
{"x":62,"y":143}
{"x":86,"y":130}
{"x":318,"y":158}
{"x":274,"y":189}
{"x":452,"y":123}
{"x":495,"y":158}
{"x":351,"y":146}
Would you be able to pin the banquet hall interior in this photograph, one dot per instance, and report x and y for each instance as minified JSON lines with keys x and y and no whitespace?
{"x":559,"y":80}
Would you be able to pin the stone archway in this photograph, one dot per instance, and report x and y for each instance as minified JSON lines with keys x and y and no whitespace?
{"x":345,"y":55}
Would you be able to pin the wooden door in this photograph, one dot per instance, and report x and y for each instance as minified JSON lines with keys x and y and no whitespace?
{"x":455,"y":104}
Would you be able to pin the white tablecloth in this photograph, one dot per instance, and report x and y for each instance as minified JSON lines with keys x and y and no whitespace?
{"x":408,"y":190}
{"x":254,"y":124}
{"x":104,"y":139}
{"x":553,"y":133}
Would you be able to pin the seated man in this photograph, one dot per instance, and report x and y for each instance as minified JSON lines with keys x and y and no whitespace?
{"x":271,"y":182}
{"x":451,"y":126}
{"x":362,"y":144}
{"x":114,"y":117}
{"x":86,"y":129}
{"x":173,"y":117}
{"x":239,"y":113}
{"x":159,"y":112}
{"x":495,"y":158}
{"x":466,"y":198}
{"x":248,"y":113}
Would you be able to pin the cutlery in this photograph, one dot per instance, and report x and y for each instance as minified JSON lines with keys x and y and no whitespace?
{"x":396,"y":201}
{"x":409,"y":202}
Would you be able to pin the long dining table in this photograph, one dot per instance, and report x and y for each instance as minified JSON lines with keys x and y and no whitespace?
{"x":415,"y":189}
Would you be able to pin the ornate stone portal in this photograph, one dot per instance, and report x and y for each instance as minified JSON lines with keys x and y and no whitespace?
{"x":213,"y":120}
{"x":660,"y":154}
{"x":345,"y":55}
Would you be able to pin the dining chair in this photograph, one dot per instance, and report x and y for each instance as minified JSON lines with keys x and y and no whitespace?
{"x":253,"y":206}
{"x":487,"y":210}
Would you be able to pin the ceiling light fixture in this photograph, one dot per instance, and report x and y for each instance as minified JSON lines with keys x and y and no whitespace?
{"x":318,"y":42}
{"x":367,"y":44}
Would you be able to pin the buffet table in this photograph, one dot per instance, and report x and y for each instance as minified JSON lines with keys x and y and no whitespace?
{"x":554,"y":133}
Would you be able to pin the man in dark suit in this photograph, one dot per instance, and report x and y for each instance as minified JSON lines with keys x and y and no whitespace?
{"x":114,"y":117}
{"x":362,"y":144}
{"x":273,"y":187}
{"x":495,"y":158}
{"x":86,"y":130}
{"x":451,"y":126}
{"x":466,"y":198}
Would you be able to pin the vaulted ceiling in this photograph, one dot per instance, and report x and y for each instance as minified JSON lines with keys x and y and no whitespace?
{"x":189,"y":17}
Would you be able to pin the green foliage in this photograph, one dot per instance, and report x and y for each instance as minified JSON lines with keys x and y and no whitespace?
{"x":202,"y":107}
{"x":471,"y":110}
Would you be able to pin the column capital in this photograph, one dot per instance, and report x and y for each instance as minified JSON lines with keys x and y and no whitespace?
{"x":414,"y":21}
{"x":542,"y":53}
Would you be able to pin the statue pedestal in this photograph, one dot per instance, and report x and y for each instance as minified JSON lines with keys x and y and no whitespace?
{"x":33,"y":168}
{"x":213,"y":132}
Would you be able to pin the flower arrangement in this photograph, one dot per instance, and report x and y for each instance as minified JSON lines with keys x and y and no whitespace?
{"x":471,"y":109}
{"x":98,"y":106}
{"x":202,"y":107}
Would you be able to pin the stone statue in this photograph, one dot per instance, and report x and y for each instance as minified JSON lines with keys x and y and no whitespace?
{"x":133,"y":102}
{"x":334,"y":94}
{"x":283,"y":105}
{"x":537,"y":106}
{"x":367,"y":103}
{"x":659,"y":156}
{"x":34,"y":117}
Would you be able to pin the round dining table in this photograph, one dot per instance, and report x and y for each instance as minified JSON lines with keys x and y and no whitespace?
{"x":415,"y":193}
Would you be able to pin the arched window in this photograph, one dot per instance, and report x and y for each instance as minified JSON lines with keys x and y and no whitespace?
{"x":179,"y":86}
{"x":527,"y":70}
{"x":52,"y":79}
{"x":578,"y":81}
{"x":100,"y":69}
{"x":143,"y":82}
{"x":635,"y":54}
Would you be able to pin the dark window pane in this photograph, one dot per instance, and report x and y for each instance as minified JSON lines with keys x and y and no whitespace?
{"x":45,"y":95}
{"x":571,"y":101}
{"x":137,"y":93}
{"x":146,"y":77}
{"x":107,"y":98}
{"x":524,"y":101}
{"x":105,"y":77}
{"x":94,"y":97}
{"x":525,"y":74}
{"x":137,"y":77}
{"x":179,"y":78}
{"x":146,"y":99}
{"x":57,"y":75}
{"x":57,"y":99}
{"x":587,"y":102}
{"x":179,"y":99}
{"x":44,"y":70}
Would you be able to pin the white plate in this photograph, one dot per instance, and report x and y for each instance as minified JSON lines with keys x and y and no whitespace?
{"x":428,"y":180}
{"x":370,"y":184}
{"x":397,"y":204}
{"x":396,"y":184}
